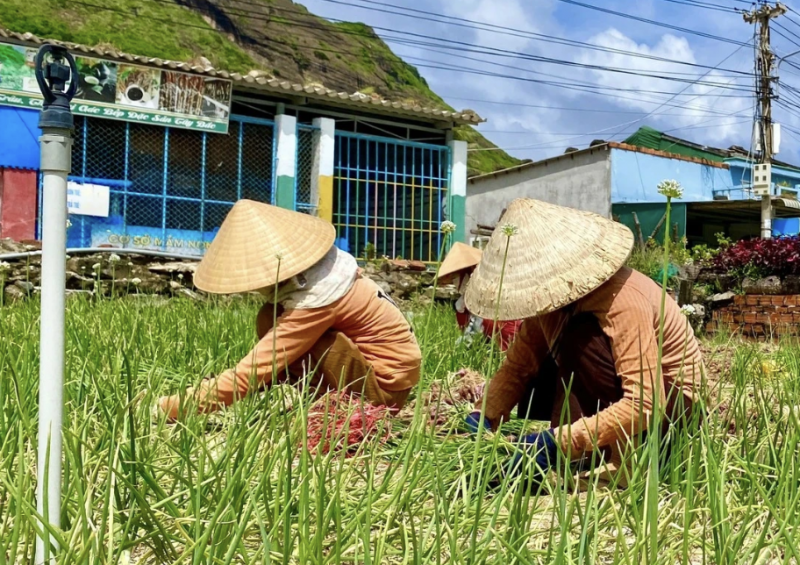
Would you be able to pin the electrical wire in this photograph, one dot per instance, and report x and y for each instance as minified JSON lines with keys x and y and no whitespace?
{"x":581,"y":87}
{"x":590,"y":110}
{"x":591,"y":88}
{"x":628,"y":132}
{"x":735,"y":51}
{"x":459,"y":45}
{"x":697,"y":125}
{"x":705,"y":5}
{"x":795,"y":42}
{"x":651,"y":22}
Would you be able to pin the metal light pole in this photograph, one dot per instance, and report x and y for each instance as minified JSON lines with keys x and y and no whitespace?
{"x":53,"y":73}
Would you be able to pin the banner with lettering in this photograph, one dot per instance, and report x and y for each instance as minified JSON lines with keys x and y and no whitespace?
{"x":120,"y":91}
{"x":181,"y":242}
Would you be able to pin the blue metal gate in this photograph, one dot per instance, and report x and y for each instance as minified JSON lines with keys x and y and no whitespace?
{"x":305,"y":164}
{"x":390,"y":196}
{"x":170,"y":188}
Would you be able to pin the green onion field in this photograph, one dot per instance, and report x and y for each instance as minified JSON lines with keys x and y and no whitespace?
{"x":241,"y":486}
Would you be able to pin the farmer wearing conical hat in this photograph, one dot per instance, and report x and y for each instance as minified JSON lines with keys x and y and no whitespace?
{"x":332,"y":325}
{"x":591,"y":327}
{"x":457,"y":268}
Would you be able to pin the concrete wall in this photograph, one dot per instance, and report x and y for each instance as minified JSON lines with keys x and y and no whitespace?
{"x":635,"y":176}
{"x":579,"y":181}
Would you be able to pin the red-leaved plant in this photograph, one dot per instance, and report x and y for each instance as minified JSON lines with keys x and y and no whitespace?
{"x":760,"y":257}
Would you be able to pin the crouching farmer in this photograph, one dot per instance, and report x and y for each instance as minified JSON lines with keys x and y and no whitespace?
{"x":587,"y":356}
{"x":332,"y":324}
{"x":456,"y":269}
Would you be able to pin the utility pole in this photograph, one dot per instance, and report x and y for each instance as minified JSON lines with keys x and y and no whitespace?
{"x":761,"y":177}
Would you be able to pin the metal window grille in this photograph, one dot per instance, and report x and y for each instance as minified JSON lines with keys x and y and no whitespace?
{"x":305,"y":163}
{"x":170,"y":189}
{"x":390,"y":196}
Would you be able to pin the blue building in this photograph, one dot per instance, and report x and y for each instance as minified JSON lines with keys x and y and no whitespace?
{"x":620,"y":180}
{"x":168,"y":167}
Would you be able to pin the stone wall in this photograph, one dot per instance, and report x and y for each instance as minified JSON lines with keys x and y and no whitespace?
{"x":112,"y":274}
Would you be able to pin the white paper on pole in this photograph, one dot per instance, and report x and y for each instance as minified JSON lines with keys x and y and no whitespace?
{"x":88,"y":199}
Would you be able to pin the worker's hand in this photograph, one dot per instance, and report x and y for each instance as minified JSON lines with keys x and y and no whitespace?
{"x":175,"y":406}
{"x":156,"y":413}
{"x":539,"y":450}
{"x":473,"y":422}
{"x":167,"y":409}
{"x":466,"y":339}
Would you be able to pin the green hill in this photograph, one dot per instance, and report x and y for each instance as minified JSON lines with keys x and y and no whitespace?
{"x":278,"y":37}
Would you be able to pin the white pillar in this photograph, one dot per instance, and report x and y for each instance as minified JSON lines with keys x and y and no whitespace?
{"x":322,"y":167}
{"x":286,"y":165}
{"x":458,"y":189}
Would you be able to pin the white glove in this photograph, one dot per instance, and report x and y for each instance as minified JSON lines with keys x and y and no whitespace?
{"x":466,"y":339}
{"x":475,"y":325}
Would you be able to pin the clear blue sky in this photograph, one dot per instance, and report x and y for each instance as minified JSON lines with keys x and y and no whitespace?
{"x":535,"y":120}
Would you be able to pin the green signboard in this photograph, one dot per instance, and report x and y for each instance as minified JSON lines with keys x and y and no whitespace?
{"x":120,"y":91}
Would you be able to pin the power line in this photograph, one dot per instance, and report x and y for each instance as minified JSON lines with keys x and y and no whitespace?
{"x":561,"y":142}
{"x":705,"y":5}
{"x":589,"y":89}
{"x":492,"y":50}
{"x":483,"y":26}
{"x":735,"y":51}
{"x":652,"y":22}
{"x":793,"y":40}
{"x":627,"y":132}
{"x":584,"y":87}
{"x":697,"y":82}
{"x":459,"y":45}
{"x":706,"y":111}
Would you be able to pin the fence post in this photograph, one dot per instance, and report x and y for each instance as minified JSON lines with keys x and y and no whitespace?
{"x":458,"y":188}
{"x":322,"y":167}
{"x":286,"y":157}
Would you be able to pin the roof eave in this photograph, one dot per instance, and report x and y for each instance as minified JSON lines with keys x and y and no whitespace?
{"x":263,"y":84}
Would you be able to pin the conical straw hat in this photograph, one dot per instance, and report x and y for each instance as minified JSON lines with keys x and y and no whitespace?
{"x":460,"y":257}
{"x":556,"y":256}
{"x":254,"y":240}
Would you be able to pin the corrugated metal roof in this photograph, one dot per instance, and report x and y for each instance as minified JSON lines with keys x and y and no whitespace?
{"x":649,"y":137}
{"x":787,"y":203}
{"x":782,"y":207}
{"x":315,"y":92}
{"x":646,"y":136}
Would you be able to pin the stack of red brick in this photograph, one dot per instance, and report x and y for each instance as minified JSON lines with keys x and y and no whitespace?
{"x":755,"y":315}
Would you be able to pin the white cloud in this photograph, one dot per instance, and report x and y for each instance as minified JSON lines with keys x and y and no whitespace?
{"x":514,"y":14}
{"x":706,"y":108}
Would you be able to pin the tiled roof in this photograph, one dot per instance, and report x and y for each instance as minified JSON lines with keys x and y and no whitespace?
{"x":273,"y":85}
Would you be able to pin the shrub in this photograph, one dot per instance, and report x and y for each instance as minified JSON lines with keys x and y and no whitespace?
{"x":758,"y":258}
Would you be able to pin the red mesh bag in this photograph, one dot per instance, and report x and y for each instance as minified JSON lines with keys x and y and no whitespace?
{"x":337,"y":412}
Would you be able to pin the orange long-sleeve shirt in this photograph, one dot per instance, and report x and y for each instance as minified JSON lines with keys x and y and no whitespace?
{"x":370,"y":321}
{"x":627,"y":308}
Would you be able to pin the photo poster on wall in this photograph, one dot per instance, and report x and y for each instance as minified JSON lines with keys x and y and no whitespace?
{"x":121,"y":91}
